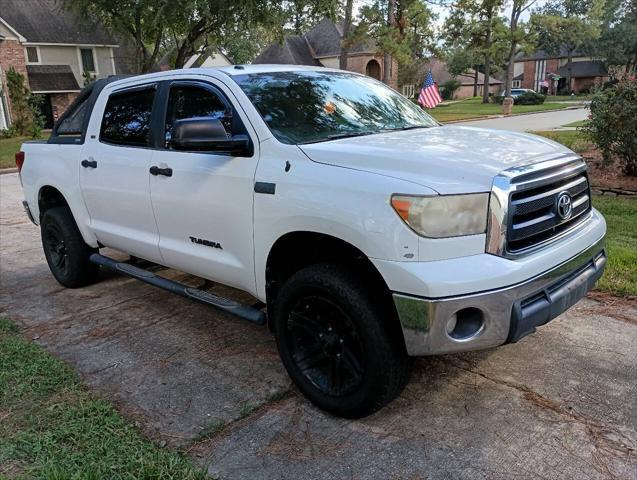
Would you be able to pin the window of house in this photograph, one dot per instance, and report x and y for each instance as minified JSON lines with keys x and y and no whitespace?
{"x":516,"y":84}
{"x":33,"y":55}
{"x":191,"y":101}
{"x":126,"y":118}
{"x":88,"y":60}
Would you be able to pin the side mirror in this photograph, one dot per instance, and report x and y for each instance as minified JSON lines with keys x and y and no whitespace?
{"x":206,"y":134}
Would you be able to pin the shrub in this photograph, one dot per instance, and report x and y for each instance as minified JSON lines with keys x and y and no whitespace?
{"x":27,"y":119}
{"x":530,"y":98}
{"x":613,"y":124}
{"x":449,"y":88}
{"x":497,"y":99}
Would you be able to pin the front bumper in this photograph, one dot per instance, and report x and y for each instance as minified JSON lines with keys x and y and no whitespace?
{"x":492,"y":318}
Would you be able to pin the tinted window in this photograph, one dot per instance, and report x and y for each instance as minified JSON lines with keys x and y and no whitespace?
{"x":72,"y":123}
{"x":127,"y":118}
{"x":189,"y":101}
{"x":303,"y":107}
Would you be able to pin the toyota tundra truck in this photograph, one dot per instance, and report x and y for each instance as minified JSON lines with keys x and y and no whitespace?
{"x":367,"y":232}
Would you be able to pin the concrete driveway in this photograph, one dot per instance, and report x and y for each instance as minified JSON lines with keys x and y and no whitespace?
{"x":533,"y":121}
{"x":560,"y":404}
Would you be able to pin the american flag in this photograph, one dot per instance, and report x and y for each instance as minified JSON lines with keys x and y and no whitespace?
{"x":429,"y":96}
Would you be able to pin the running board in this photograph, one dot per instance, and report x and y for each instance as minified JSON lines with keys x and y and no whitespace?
{"x":225,"y":304}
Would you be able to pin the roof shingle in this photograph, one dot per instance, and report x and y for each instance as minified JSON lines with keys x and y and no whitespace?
{"x":52,"y":78}
{"x":44,"y":21}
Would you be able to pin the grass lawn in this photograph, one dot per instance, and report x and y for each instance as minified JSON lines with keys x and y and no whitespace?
{"x":572,"y":139}
{"x":620,"y":277}
{"x":567,"y":98}
{"x":8,"y":148}
{"x":474,"y":108}
{"x":51,"y":427}
{"x":579,"y":123}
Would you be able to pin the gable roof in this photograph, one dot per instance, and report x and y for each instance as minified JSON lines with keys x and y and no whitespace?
{"x":44,"y":21}
{"x":589,"y":68}
{"x":293,"y":51}
{"x":543,"y":55}
{"x":324,"y":40}
{"x":440,"y":74}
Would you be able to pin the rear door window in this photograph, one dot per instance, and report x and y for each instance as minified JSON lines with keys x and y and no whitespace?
{"x":127,"y":118}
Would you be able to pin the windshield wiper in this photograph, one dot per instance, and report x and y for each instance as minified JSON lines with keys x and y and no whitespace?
{"x":413,"y":127}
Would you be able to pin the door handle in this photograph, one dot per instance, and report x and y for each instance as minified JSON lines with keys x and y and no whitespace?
{"x":89,"y":163}
{"x":166,"y":172}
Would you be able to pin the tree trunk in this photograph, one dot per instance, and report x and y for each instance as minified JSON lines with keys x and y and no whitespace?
{"x":510,"y":71}
{"x":346,"y":29}
{"x":387,"y":60}
{"x":475,"y":81}
{"x":487,"y":58}
{"x":569,"y":71}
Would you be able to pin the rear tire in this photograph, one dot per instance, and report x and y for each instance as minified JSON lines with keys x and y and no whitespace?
{"x":334,"y":339}
{"x":65,"y":250}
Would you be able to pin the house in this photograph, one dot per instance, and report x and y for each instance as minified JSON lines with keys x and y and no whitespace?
{"x":547,"y":73}
{"x":56,"y":52}
{"x":321,"y":46}
{"x":209,"y":57}
{"x":441,"y":74}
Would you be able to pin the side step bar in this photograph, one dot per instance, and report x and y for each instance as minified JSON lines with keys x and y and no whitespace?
{"x":225,"y":304}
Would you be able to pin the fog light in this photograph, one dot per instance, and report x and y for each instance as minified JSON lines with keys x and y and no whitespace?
{"x":465,"y":324}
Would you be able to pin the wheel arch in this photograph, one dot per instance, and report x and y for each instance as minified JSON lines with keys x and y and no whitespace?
{"x":296,"y":250}
{"x":50,"y":196}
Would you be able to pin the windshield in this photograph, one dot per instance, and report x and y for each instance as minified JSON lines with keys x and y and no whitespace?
{"x":314,"y":106}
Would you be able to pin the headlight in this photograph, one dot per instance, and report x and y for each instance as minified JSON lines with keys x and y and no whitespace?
{"x":444,"y":215}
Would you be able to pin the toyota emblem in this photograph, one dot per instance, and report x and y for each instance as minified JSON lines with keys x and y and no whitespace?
{"x":564,"y":205}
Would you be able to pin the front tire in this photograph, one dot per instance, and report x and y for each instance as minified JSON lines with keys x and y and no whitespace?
{"x":334,"y":339}
{"x":65,"y":250}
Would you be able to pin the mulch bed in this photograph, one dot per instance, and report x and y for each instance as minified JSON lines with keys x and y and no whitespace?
{"x":608,"y":178}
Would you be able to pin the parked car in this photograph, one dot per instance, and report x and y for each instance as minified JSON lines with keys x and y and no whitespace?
{"x":369,"y":232}
{"x":516,"y":92}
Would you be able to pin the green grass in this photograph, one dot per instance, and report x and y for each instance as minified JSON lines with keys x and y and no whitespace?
{"x":579,"y":123}
{"x":474,"y":108}
{"x":8,"y":148}
{"x":51,"y":427}
{"x":620,"y":277}
{"x":572,"y":139}
{"x":567,"y":98}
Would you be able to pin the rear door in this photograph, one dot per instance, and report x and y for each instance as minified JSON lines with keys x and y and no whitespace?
{"x":204,"y":209}
{"x":114,"y":174}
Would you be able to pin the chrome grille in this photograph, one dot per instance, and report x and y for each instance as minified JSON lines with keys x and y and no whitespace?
{"x":524,"y":205}
{"x":533,"y":213}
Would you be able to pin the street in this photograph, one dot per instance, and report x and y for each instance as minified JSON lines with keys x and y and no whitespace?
{"x":559,"y":405}
{"x":533,"y":121}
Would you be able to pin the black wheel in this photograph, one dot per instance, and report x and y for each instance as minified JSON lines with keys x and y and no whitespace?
{"x":334,"y":339}
{"x":65,"y":250}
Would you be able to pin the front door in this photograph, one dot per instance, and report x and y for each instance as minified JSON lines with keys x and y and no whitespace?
{"x":114,"y":172}
{"x":204,"y":208}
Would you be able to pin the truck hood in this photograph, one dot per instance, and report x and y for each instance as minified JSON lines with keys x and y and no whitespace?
{"x":448,"y":159}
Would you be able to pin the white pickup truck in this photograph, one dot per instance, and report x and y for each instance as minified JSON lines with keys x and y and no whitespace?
{"x":367,"y":232}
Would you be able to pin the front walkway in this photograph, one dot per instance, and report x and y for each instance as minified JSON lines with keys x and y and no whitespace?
{"x":532,"y":121}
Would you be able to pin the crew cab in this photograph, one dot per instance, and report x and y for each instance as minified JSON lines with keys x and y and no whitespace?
{"x":367,"y":232}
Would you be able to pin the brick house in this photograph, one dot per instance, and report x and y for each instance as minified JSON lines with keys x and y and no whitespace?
{"x":548,"y":73}
{"x":54,"y":50}
{"x":321,"y":46}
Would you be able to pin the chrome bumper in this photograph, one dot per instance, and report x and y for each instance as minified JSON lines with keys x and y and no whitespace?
{"x":492,"y":318}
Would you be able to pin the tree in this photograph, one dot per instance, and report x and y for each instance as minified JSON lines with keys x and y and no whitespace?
{"x":345,"y":43}
{"x":183,"y":27}
{"x":617,"y":44}
{"x":568,"y":25}
{"x":477,"y":26}
{"x":405,"y":36}
{"x":27,"y":119}
{"x":304,"y":14}
{"x":518,"y":36}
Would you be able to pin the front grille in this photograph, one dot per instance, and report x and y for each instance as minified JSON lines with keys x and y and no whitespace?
{"x":533,"y":213}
